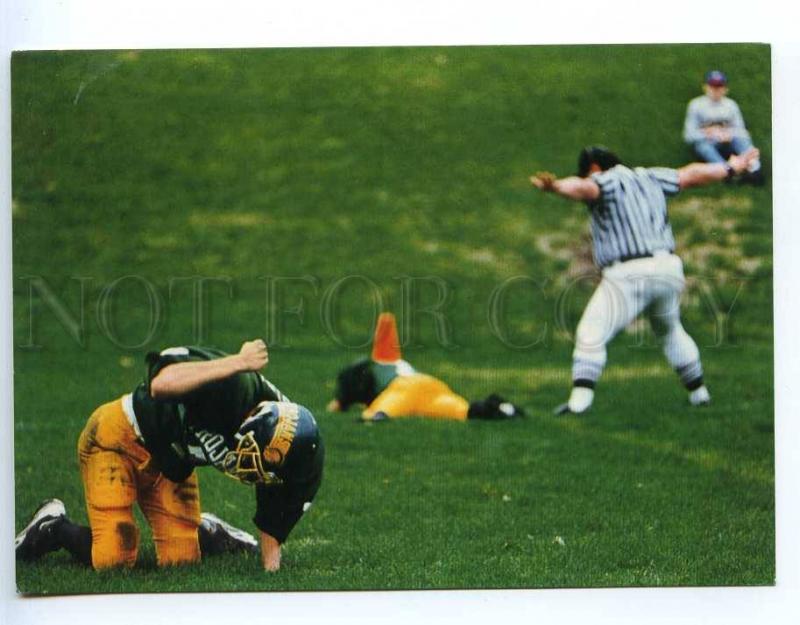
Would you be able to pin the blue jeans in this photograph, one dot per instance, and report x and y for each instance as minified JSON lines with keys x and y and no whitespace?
{"x":713,"y":152}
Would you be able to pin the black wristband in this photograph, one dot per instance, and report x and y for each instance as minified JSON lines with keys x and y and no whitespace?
{"x":729,"y":169}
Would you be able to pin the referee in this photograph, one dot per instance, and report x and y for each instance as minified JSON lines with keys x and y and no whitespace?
{"x":634,"y":247}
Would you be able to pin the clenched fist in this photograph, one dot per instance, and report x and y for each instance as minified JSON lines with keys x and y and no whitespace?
{"x":253,"y":355}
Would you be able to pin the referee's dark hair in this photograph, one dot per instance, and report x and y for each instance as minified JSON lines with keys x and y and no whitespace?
{"x":596,"y":155}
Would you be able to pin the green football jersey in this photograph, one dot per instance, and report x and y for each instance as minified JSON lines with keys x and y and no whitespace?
{"x":218,"y":407}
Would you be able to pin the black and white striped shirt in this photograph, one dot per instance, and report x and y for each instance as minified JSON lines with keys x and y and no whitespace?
{"x":629,"y":219}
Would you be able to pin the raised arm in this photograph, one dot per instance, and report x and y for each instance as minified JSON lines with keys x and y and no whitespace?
{"x":699,"y":174}
{"x":572,"y":187}
{"x":183,"y":377}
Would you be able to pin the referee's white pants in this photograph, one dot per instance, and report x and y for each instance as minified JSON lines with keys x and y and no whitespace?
{"x":644,"y":285}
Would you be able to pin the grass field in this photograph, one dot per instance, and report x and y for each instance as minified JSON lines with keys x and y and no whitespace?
{"x":354,"y":168}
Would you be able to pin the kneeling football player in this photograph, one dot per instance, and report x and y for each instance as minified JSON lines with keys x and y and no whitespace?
{"x":196,"y":407}
{"x":391,"y":388}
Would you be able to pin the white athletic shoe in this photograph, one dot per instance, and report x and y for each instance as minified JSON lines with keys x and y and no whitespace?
{"x":700,"y":396}
{"x":37,"y":538}
{"x":217,"y":536}
{"x":580,"y":399}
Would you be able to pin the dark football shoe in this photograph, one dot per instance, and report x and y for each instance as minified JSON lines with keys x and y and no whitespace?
{"x":506,"y":410}
{"x":216,"y":536}
{"x":494,"y":408}
{"x":755,"y":178}
{"x":38,"y":537}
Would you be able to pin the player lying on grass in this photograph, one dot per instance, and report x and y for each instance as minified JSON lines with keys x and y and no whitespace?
{"x":633,"y":245}
{"x":196,"y":407}
{"x":391,"y":388}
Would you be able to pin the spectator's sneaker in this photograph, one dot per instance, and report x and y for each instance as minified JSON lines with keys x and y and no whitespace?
{"x":216,"y":536}
{"x":38,"y":537}
{"x":755,"y":178}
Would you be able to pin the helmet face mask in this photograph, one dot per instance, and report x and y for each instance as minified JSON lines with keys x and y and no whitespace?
{"x":245,"y":463}
{"x":263,"y":444}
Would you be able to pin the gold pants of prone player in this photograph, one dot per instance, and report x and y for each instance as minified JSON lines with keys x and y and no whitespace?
{"x":117,"y":472}
{"x":418,"y":395}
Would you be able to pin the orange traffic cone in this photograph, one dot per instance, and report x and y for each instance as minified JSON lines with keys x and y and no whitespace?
{"x":386,"y":345}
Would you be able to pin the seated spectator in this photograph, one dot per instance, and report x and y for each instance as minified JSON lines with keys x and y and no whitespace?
{"x":714,"y":126}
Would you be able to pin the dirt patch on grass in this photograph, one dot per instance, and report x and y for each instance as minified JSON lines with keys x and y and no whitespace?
{"x":572,"y":244}
{"x":708,"y":238}
{"x":706,"y":234}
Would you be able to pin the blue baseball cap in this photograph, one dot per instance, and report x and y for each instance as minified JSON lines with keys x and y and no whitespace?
{"x":716,"y":78}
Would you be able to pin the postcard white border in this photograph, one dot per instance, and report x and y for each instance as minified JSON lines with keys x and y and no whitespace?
{"x":43,"y":24}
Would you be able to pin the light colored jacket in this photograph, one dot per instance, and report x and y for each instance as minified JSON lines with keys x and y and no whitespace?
{"x":703,"y":112}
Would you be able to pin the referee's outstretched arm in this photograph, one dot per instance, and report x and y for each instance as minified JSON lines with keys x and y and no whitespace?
{"x":691,"y":175}
{"x":572,"y":188}
{"x":698,"y":174}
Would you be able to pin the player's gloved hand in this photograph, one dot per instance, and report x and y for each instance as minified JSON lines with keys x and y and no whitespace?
{"x":253,"y":355}
{"x":740,"y":162}
{"x":543,"y":180}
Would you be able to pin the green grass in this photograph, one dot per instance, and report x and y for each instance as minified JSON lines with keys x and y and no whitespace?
{"x":384,"y":163}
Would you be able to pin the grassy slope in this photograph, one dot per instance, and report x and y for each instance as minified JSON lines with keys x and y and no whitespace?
{"x":384,"y":163}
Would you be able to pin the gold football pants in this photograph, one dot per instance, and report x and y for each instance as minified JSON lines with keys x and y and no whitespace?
{"x":418,"y":395}
{"x":116,"y":473}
